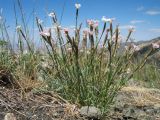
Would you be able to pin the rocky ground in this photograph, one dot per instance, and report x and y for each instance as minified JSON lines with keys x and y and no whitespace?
{"x":133,"y":102}
{"x":136,"y":103}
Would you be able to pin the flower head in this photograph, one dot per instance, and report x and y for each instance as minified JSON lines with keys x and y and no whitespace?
{"x":77,"y":5}
{"x":46,"y":33}
{"x":126,"y":47}
{"x":90,"y":22}
{"x":128,"y":71}
{"x":131,"y":28}
{"x":119,"y":38}
{"x":52,"y":14}
{"x":93,"y":23}
{"x":110,"y":20}
{"x":66,"y":30}
{"x":155,"y":45}
{"x":18,"y":28}
{"x":135,"y":47}
{"x":40,"y":21}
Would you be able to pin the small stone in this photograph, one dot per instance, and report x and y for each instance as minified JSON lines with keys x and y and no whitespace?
{"x":129,"y":112}
{"x":9,"y":116}
{"x":90,"y":112}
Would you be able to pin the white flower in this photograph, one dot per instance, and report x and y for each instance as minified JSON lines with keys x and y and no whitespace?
{"x":88,"y":52}
{"x":155,"y":45}
{"x":110,"y":20}
{"x":18,"y":28}
{"x":60,"y":27}
{"x":40,"y":21}
{"x":104,"y":19}
{"x":69,"y":49}
{"x":25,"y":52}
{"x":52,"y":14}
{"x":45,"y":64}
{"x":46,"y":33}
{"x":128,"y":70}
{"x":132,"y":28}
{"x":77,"y":5}
{"x":126,"y":47}
{"x":135,"y":47}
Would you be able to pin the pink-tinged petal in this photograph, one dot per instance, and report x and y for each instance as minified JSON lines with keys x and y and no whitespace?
{"x":135,"y":47}
{"x":96,"y":25}
{"x":46,"y":33}
{"x":91,"y":32}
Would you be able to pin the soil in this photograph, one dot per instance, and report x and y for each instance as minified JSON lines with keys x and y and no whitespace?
{"x":36,"y":106}
{"x":131,"y":103}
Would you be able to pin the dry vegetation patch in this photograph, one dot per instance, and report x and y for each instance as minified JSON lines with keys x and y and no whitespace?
{"x":36,"y":105}
{"x":142,"y":96}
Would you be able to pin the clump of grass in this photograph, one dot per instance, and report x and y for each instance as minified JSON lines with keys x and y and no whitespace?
{"x":86,"y":67}
{"x":21,"y":61}
{"x":149,"y":74}
{"x":82,"y":70}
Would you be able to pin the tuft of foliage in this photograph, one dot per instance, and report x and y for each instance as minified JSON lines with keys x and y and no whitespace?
{"x":89,"y":69}
{"x":150,"y":75}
